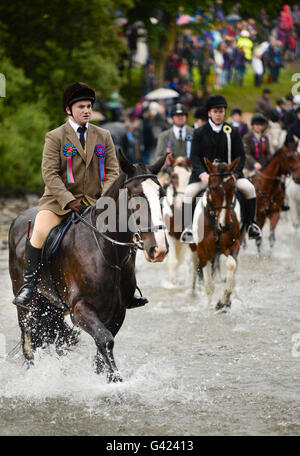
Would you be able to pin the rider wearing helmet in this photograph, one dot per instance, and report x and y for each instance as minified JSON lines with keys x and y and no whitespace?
{"x":256,"y":144}
{"x":217,"y":140}
{"x":177,"y":139}
{"x":70,"y":169}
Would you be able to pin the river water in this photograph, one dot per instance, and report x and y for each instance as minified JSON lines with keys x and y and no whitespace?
{"x":187,"y":371}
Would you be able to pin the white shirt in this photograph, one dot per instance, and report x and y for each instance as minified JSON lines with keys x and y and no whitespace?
{"x":75,"y":127}
{"x":176,"y":132}
{"x":216,"y":128}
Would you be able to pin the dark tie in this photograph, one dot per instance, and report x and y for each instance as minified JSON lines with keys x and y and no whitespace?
{"x":81,"y":131}
{"x":180,"y":134}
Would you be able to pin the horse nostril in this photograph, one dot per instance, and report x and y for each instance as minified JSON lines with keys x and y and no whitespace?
{"x":151,"y":253}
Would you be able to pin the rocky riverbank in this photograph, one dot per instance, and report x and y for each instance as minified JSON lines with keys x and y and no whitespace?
{"x":10,"y":208}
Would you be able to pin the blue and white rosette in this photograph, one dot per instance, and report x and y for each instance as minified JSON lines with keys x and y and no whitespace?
{"x":100,"y":151}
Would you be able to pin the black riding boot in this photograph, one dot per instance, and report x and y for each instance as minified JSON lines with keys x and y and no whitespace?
{"x":31,"y":274}
{"x":137,"y":301}
{"x":254,"y":231}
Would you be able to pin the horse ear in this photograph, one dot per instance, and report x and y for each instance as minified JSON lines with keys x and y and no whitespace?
{"x":171,"y":159}
{"x":210,"y":166}
{"x":156,"y":167}
{"x":233,"y":165}
{"x":125,"y":164}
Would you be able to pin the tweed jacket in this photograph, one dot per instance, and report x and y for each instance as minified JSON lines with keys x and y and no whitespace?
{"x":206,"y":143}
{"x":257,"y":150}
{"x":85,"y":168}
{"x":179,"y":148}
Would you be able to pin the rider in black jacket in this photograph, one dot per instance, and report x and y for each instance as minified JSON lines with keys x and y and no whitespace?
{"x":217,"y":140}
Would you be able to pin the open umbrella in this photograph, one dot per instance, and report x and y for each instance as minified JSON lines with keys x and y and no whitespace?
{"x":233,"y":18}
{"x":161,"y":94}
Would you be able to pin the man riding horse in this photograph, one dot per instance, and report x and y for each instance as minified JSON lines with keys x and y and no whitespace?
{"x":217,"y":140}
{"x":72,"y":155}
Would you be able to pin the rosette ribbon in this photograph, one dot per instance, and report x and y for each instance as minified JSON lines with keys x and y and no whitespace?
{"x":227,"y":130}
{"x":100,"y":151}
{"x":169,"y":146}
{"x":188,"y":139}
{"x":69,"y":151}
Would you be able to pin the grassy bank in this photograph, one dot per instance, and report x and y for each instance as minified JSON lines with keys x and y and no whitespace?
{"x":243,"y":97}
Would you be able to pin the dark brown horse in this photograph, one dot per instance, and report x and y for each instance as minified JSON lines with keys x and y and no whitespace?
{"x":269,"y":186}
{"x":94,"y":272}
{"x":216,"y":229}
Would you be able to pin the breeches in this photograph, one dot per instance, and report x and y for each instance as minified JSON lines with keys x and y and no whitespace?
{"x":242,"y":184}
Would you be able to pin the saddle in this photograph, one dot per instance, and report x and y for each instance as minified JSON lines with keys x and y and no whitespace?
{"x":51,"y":246}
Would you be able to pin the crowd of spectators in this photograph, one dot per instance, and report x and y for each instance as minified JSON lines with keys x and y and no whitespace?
{"x":217,"y":50}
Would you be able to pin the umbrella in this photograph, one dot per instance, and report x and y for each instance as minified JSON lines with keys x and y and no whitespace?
{"x":161,"y":94}
{"x":233,"y":18}
{"x":185,"y":19}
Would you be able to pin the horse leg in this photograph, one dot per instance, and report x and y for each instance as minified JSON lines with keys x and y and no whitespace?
{"x":294,"y":213}
{"x":84,"y":316}
{"x":208,"y":281}
{"x":230,"y":283}
{"x":274,"y":218}
{"x":193,"y":263}
{"x":172,"y":260}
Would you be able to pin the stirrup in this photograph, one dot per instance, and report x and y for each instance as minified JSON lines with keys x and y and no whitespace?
{"x":137,"y":301}
{"x":187,"y":236}
{"x":254,"y":232}
{"x":27,"y":300}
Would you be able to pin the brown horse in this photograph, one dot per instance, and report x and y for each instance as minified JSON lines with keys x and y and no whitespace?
{"x":180,"y":172}
{"x":94,"y":271}
{"x":270,"y":189}
{"x":216,"y":228}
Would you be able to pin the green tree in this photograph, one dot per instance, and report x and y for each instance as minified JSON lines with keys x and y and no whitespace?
{"x":60,"y":42}
{"x":22,"y":131}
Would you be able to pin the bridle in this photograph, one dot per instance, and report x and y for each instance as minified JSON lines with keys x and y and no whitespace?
{"x":211,"y":212}
{"x":228,"y":206}
{"x":137,"y":241}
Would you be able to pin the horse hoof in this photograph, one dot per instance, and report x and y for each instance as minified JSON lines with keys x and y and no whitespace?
{"x":115,"y":377}
{"x":222,"y":308}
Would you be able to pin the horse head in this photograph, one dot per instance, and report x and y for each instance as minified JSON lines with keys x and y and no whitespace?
{"x":221,"y":187}
{"x":144,"y":194}
{"x":290,"y":160}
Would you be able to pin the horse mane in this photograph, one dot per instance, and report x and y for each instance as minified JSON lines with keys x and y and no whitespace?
{"x":272,"y":158}
{"x":222,"y":167}
{"x":113,"y":189}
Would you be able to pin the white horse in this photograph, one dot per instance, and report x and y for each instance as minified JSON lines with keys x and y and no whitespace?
{"x":292,"y":191}
{"x":173,"y":217}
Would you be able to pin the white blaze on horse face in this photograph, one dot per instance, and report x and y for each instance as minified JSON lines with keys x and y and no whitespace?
{"x":221,"y":218}
{"x":183,"y":180}
{"x":151,"y":192}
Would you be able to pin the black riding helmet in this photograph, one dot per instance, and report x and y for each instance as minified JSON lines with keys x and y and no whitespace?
{"x":77,"y":91}
{"x":258,"y":119}
{"x":216,"y":101}
{"x":178,"y":108}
